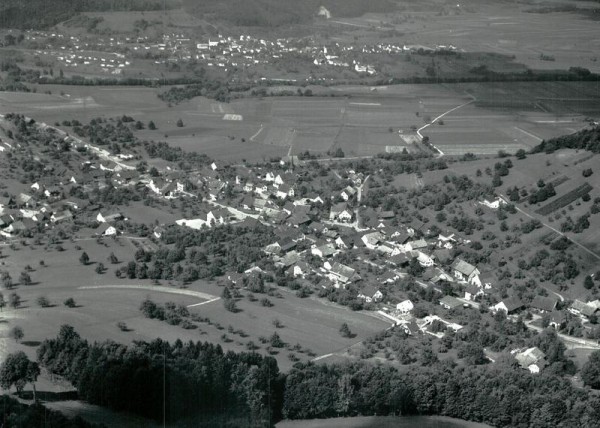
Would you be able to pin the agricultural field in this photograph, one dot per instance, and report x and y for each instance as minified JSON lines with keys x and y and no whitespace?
{"x":362,"y":121}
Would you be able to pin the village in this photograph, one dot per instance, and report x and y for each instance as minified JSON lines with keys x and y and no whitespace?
{"x":116,"y":55}
{"x":328,"y":240}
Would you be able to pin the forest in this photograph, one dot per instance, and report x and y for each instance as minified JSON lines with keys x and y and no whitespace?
{"x":41,"y":14}
{"x":202,"y":385}
{"x":586,"y":139}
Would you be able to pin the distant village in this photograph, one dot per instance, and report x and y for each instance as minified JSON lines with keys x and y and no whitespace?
{"x":115,"y":55}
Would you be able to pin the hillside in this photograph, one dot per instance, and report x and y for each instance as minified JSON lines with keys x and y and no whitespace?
{"x":273,"y":13}
{"x":41,"y":14}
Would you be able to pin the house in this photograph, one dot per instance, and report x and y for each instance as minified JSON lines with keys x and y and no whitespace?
{"x":300,"y":269}
{"x":472,"y":291}
{"x":389,"y":277}
{"x":344,"y":242}
{"x":109,"y":217}
{"x":386,"y":215}
{"x":449,"y":302}
{"x":285,"y":190}
{"x":158,"y":231}
{"x":543,"y":304}
{"x":61,"y":216}
{"x":348,"y":193}
{"x":509,"y":305}
{"x":340,"y":212}
{"x":24,"y":200}
{"x":582,"y":309}
{"x":442,"y":255}
{"x":424,"y":259}
{"x":342,"y":274}
{"x":411,"y":328}
{"x":398,"y":260}
{"x":464,"y":271}
{"x":405,"y":306}
{"x":558,"y":319}
{"x":106,"y":229}
{"x":371,"y":240}
{"x":323,"y":251}
{"x":290,"y":259}
{"x":370,"y":294}
{"x":532,"y":359}
{"x":416,"y":245}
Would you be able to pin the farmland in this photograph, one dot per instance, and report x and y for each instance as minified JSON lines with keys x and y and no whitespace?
{"x":360,"y":121}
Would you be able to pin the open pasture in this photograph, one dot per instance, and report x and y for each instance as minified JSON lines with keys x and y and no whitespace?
{"x":103,"y":300}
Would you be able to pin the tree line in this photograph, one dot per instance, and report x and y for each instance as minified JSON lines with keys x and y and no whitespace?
{"x":203,"y":385}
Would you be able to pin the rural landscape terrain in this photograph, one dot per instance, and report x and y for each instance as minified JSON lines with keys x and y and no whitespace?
{"x":300,"y":213}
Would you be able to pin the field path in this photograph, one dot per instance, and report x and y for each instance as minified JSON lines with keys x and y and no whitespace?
{"x":158,"y":288}
{"x":438,"y":118}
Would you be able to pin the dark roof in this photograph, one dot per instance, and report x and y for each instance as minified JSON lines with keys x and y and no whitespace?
{"x":512,"y":304}
{"x":544,"y":303}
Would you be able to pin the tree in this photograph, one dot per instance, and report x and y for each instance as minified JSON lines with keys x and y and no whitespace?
{"x":14,"y":300}
{"x":521,"y":154}
{"x":84,"y":258}
{"x":151,"y":125}
{"x":590,"y":372}
{"x":345,"y":330}
{"x":122,"y":326}
{"x":276,"y":341}
{"x":70,"y":302}
{"x":230,"y":305}
{"x":2,"y":302}
{"x":100,"y":268}
{"x":179,"y":123}
{"x":588,"y":282}
{"x":25,"y":278}
{"x":43,"y":301}
{"x":7,"y":280}
{"x":18,"y":370}
{"x":16,"y":333}
{"x":113,"y":259}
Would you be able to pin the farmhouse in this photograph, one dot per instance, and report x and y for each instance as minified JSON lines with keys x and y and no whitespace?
{"x":509,"y":305}
{"x":450,"y":302}
{"x":370,"y":294}
{"x":342,"y":274}
{"x":582,"y":309}
{"x":543,"y":304}
{"x":532,"y":359}
{"x":340,"y":212}
{"x":106,"y":229}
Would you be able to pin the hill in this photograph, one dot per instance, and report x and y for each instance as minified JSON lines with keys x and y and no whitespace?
{"x":40,"y":14}
{"x":274,"y":13}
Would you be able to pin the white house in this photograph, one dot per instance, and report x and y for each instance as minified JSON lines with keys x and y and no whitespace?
{"x":405,"y":307}
{"x":464,"y":271}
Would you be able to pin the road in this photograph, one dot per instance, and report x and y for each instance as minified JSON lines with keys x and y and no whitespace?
{"x":569,"y":341}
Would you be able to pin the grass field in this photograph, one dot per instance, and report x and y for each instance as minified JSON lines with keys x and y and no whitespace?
{"x":104,"y":300}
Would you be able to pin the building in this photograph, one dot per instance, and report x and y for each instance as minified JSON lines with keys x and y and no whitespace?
{"x":450,"y":302}
{"x":532,"y":359}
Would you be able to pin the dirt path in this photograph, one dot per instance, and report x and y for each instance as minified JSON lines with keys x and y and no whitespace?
{"x":438,"y":118}
{"x":155,"y":288}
